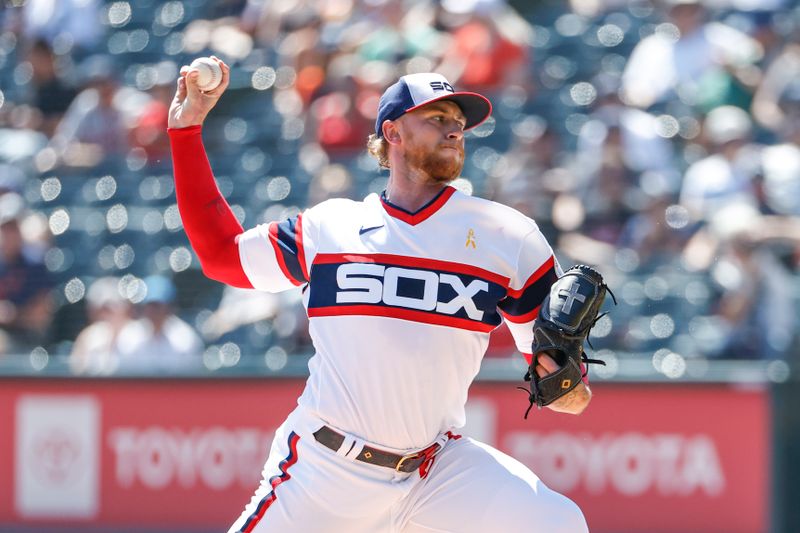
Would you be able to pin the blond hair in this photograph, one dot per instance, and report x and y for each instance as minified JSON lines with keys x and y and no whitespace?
{"x":379,"y":149}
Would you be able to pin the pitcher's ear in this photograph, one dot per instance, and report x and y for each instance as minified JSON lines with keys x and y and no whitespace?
{"x":391,"y":132}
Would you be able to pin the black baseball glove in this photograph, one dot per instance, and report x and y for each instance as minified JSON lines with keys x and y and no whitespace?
{"x":566,"y":315}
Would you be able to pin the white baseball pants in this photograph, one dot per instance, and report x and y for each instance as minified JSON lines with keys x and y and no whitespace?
{"x":471,"y":487}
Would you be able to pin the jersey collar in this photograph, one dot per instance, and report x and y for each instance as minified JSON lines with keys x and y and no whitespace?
{"x":423,"y":213}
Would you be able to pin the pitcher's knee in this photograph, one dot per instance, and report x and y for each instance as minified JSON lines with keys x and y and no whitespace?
{"x":567,"y":517}
{"x":538,"y":510}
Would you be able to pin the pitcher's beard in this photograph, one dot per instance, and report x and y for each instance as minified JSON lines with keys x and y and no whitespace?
{"x":440,"y":168}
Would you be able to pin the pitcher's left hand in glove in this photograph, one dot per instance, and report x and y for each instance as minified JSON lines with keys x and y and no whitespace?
{"x":566,"y":315}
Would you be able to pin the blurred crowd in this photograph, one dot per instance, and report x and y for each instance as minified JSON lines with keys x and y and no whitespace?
{"x":656,"y":139}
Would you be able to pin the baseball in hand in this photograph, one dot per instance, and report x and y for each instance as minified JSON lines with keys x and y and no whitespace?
{"x":209,"y":73}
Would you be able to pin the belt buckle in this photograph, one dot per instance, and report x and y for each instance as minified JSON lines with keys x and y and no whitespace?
{"x":407,"y":457}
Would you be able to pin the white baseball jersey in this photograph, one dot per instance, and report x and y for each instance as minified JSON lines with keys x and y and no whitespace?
{"x":401,"y":304}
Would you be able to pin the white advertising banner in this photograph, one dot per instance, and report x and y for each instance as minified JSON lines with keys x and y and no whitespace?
{"x":57,"y":456}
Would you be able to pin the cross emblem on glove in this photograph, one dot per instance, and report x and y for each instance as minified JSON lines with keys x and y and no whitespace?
{"x":570,"y":296}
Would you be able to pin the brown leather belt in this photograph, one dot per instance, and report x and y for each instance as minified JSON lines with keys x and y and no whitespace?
{"x":401,"y":463}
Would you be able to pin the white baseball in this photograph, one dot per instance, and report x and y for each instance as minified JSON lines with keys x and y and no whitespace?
{"x":209,"y":73}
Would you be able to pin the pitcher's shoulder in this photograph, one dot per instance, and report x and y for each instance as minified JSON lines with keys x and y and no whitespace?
{"x":336,"y":208}
{"x":495,"y":214}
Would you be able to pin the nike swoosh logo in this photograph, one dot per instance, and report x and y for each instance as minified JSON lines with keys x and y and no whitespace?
{"x":363,"y":230}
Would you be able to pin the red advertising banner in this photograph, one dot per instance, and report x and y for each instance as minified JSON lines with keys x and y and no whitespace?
{"x":187,"y":454}
{"x":648,"y":458}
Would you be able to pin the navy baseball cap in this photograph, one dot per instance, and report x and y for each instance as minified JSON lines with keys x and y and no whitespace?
{"x":416,"y":90}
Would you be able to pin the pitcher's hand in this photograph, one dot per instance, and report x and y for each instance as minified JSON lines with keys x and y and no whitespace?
{"x":191,"y":105}
{"x":576,"y":400}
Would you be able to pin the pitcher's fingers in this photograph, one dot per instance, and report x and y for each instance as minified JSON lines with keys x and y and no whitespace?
{"x":223,"y":84}
{"x":180,"y":93}
{"x":221,"y":63}
{"x":226,"y":70}
{"x":191,"y":82}
{"x":547,"y":365}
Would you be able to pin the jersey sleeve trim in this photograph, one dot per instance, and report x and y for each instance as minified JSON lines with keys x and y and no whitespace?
{"x":536,"y":276}
{"x":286,"y":239}
{"x":521,"y":306}
{"x":521,"y":319}
{"x":301,"y":251}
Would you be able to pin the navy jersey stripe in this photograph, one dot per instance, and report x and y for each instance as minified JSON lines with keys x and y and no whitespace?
{"x":274,"y":481}
{"x":377,"y":287}
{"x":287,"y":240}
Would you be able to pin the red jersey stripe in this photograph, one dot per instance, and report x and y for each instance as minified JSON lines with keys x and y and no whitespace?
{"x":521,"y":319}
{"x":423,"y":214}
{"x":414,"y":262}
{"x":270,"y":498}
{"x":301,"y":253}
{"x":402,"y":314}
{"x":541,"y":271}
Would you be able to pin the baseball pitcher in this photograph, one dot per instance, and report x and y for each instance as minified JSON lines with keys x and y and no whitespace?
{"x":402,"y":291}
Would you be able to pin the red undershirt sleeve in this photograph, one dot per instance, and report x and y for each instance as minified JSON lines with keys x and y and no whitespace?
{"x":207,"y":218}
